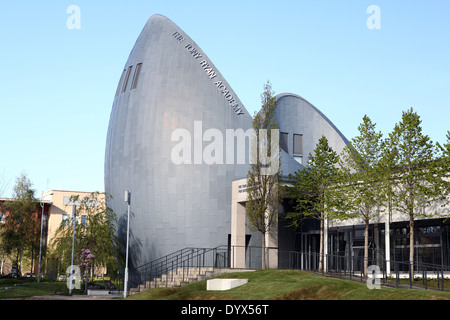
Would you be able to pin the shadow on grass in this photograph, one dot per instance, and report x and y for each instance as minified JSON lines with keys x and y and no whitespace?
{"x":289,"y":285}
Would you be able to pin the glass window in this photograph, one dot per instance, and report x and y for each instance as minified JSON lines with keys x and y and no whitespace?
{"x":430,"y":240}
{"x":84,"y":220}
{"x":299,"y":159}
{"x":359,"y":233}
{"x":402,"y":231}
{"x":127,"y":77}
{"x":430,"y":229}
{"x":136,"y":76}
{"x":284,"y":141}
{"x":402,"y":241}
{"x":298,"y":144}
{"x":120,"y":82}
{"x":65,"y":219}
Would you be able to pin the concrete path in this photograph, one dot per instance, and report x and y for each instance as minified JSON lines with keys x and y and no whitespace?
{"x":74,"y":297}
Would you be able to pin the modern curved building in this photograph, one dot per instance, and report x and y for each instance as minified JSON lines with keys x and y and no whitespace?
{"x":302,"y":125}
{"x":176,"y":140}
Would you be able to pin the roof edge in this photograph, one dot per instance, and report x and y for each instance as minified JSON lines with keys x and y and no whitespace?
{"x":287,"y":94}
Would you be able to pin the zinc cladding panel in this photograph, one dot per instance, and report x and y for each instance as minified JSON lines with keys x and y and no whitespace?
{"x":173,"y":91}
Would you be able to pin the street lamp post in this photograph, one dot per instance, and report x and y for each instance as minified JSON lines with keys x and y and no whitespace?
{"x":128,"y":200}
{"x":40,"y":242}
{"x":74,"y":216}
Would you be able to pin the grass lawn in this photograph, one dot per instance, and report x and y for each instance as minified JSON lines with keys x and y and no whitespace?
{"x":24,"y":288}
{"x":289,"y":285}
{"x":262,"y":285}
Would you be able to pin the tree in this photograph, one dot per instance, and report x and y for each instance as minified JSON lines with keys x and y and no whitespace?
{"x":318,"y":191}
{"x":21,"y":229}
{"x":362,"y":160}
{"x":418,"y":181}
{"x":85,"y":264}
{"x":96,"y":232}
{"x":387,"y":170}
{"x":263,"y":188}
{"x":444,"y":162}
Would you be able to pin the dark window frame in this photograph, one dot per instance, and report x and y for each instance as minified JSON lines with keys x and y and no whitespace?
{"x":296,"y":146}
{"x":119,"y":86}
{"x":127,"y":78}
{"x":137,"y":71}
{"x":284,"y":141}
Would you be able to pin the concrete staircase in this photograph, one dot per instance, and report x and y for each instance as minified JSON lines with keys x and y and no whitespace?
{"x":183,"y":276}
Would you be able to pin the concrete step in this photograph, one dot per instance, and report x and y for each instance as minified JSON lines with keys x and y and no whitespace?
{"x":134,"y":290}
{"x":195,"y":271}
{"x":175,"y":282}
{"x":183,"y":276}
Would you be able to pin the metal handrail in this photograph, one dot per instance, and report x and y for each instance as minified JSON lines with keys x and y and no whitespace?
{"x":342,"y":264}
{"x":346,"y":265}
{"x":181,"y":259}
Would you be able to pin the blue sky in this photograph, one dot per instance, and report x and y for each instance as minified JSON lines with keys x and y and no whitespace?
{"x":57,"y":85}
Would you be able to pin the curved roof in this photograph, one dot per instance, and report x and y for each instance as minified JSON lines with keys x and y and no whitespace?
{"x":287,"y":94}
{"x":178,"y":95}
{"x":170,"y":85}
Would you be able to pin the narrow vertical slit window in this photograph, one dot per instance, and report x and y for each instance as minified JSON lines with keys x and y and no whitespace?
{"x":127,"y":77}
{"x":298,"y":144}
{"x":136,"y":76}
{"x":120,"y":82}
{"x":298,"y":148}
{"x":284,"y":141}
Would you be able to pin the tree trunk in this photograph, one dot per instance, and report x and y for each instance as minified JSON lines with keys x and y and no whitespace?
{"x":19,"y":260}
{"x":32,"y":260}
{"x":411,"y":241}
{"x":366,"y":248}
{"x":263,"y":250}
{"x":321,"y":246}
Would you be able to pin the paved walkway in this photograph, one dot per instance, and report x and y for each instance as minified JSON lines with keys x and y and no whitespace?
{"x":74,"y":297}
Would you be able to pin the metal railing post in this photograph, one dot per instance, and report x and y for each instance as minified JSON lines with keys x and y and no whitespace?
{"x":424,"y":277}
{"x":397,"y":274}
{"x":362,"y":268}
